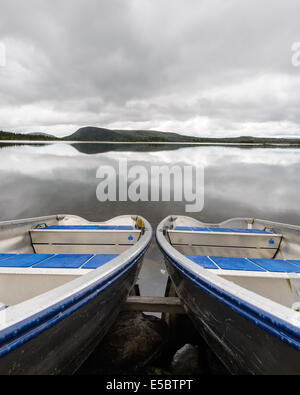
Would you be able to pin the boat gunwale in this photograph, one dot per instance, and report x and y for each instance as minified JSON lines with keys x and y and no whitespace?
{"x":252,"y":306}
{"x":19,"y":331}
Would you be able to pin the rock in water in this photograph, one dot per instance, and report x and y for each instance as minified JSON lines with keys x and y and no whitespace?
{"x":132,"y":342}
{"x":187,"y":361}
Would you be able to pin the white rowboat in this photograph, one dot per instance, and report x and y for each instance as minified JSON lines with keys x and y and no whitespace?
{"x":240,"y":283}
{"x":63,"y":280}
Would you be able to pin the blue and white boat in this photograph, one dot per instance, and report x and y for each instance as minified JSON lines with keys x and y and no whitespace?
{"x":63,"y":280}
{"x":239,"y":281}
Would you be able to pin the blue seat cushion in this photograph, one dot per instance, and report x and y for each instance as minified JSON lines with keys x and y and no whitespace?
{"x":60,"y":261}
{"x":247,"y":264}
{"x":99,"y":260}
{"x":294,"y":261}
{"x":230,"y":263}
{"x":5,"y":256}
{"x":23,"y":260}
{"x":192,"y":229}
{"x":64,"y":261}
{"x":222,"y":230}
{"x":86,"y":227}
{"x":277,"y":265}
{"x":203,"y":261}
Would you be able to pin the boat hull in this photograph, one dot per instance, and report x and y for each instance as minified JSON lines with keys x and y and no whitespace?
{"x":241,"y":345}
{"x":66,"y":344}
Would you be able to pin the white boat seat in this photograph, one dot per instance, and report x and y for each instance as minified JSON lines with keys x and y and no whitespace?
{"x":254,"y":243}
{"x":83,"y":239}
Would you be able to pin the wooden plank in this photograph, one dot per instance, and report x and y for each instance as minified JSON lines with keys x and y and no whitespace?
{"x":154,"y":304}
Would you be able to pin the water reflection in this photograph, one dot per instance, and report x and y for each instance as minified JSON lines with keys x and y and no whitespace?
{"x":39,"y":180}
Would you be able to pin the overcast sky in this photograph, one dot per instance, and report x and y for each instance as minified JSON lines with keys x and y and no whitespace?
{"x":198,"y":67}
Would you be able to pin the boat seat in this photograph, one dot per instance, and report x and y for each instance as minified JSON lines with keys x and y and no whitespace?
{"x":252,"y":243}
{"x":247,"y":264}
{"x":60,"y":261}
{"x":83,"y":239}
{"x":222,"y":230}
{"x":86,"y":227}
{"x":5,"y":256}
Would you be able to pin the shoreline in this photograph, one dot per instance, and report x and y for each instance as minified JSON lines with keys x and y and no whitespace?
{"x":238,"y":144}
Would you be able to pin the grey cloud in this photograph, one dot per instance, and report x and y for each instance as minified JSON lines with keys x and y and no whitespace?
{"x":74,"y":62}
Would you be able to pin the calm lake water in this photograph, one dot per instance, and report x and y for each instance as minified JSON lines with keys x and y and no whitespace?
{"x":38,"y":180}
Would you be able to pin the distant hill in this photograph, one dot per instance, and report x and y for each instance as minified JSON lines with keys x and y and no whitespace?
{"x":30,"y":136}
{"x":41,"y":134}
{"x":90,"y":133}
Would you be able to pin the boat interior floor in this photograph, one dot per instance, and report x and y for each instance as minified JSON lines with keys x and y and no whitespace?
{"x":248,"y":257}
{"x":56,"y":254}
{"x":275,"y":279}
{"x":24,"y":276}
